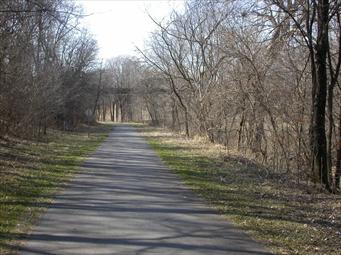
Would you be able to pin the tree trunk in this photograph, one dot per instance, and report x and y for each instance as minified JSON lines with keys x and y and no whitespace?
{"x":338,"y":156}
{"x":116,"y":112}
{"x":330,"y":97}
{"x":122,"y":112}
{"x":318,"y":142}
{"x":111,"y":110}
{"x":240,"y":130}
{"x":186,"y":123}
{"x":104,"y":112}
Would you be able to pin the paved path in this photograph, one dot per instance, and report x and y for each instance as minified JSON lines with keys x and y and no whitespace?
{"x":125,"y":201}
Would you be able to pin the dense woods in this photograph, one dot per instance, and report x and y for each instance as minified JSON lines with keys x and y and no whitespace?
{"x":260,"y":77}
{"x":240,"y":99}
{"x":47,"y":67}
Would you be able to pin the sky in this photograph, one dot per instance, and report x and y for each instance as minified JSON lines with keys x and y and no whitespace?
{"x":121,"y":25}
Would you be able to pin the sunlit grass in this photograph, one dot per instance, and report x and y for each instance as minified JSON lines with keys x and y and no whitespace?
{"x":285,"y":218}
{"x":32,"y":172}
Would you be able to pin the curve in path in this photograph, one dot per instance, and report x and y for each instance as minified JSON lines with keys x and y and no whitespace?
{"x":125,"y":201}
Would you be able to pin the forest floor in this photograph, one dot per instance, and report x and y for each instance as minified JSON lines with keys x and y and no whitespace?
{"x":285,"y":217}
{"x":31,"y":172}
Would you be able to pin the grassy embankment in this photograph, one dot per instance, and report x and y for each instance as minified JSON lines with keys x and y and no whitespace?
{"x":286,"y":218}
{"x":32,"y":172}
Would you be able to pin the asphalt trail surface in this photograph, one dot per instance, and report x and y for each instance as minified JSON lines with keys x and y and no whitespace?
{"x":126,"y":201}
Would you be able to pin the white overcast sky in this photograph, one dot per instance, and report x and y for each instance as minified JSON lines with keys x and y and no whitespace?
{"x":120,"y":25}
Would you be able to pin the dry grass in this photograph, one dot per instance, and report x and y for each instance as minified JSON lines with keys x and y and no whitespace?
{"x":31,"y":172}
{"x":287,"y":218}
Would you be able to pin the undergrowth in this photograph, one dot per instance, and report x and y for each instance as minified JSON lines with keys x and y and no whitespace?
{"x":286,"y":218}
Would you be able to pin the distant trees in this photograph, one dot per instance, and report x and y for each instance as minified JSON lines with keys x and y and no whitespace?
{"x":132,"y":91}
{"x":185,"y":50}
{"x":122,"y":77}
{"x":46,"y":64}
{"x":262,"y":77}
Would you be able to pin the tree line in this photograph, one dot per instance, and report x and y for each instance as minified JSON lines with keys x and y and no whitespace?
{"x":48,"y":67}
{"x":260,"y":77}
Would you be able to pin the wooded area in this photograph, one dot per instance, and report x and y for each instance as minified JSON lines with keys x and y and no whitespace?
{"x":260,"y":77}
{"x":47,"y":67}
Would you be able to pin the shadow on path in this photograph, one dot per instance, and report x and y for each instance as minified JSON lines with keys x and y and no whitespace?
{"x":125,"y":201}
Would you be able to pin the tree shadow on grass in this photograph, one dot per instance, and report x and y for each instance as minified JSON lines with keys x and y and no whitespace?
{"x":245,"y":190}
{"x":31,"y":172}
